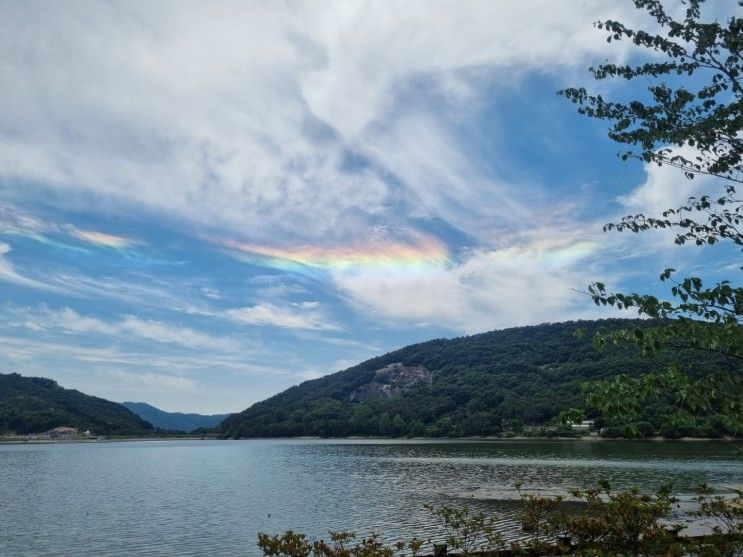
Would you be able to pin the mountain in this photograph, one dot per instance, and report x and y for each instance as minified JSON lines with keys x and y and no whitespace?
{"x":35,"y":404}
{"x":468,"y":386}
{"x":173,"y":421}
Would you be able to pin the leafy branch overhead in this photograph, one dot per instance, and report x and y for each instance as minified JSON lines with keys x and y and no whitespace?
{"x":690,"y":117}
{"x":702,"y":318}
{"x":704,"y":113}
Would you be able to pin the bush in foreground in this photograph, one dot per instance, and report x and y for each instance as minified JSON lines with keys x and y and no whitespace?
{"x":607,"y":523}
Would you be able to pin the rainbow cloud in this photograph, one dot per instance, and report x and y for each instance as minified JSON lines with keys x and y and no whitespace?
{"x":422,"y":252}
{"x":102,"y":239}
{"x":569,"y":254}
{"x":554,"y":252}
{"x":16,"y":221}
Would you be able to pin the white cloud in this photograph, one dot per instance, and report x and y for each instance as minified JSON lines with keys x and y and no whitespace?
{"x":68,"y":320}
{"x":304,"y":315}
{"x":211,"y":293}
{"x":666,"y":187}
{"x":374,"y":49}
{"x":150,"y":382}
{"x":309,"y":374}
{"x":17,"y":221}
{"x":163,"y":332}
{"x":227,"y":113}
{"x":519,"y":285}
{"x":40,"y":352}
{"x":9,"y":274}
{"x":338,"y":365}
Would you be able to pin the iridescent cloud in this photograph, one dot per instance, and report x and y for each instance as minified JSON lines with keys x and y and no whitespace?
{"x":102,"y":238}
{"x":421,"y":251}
{"x":550,"y":253}
{"x":18,"y":222}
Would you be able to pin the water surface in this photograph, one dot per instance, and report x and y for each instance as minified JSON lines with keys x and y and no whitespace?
{"x":213,"y":497}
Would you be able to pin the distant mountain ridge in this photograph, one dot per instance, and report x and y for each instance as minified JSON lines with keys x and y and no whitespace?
{"x":36,"y":404}
{"x":174,"y":421}
{"x":469,"y":386}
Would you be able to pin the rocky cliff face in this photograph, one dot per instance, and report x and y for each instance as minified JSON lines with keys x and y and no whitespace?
{"x":391,"y":380}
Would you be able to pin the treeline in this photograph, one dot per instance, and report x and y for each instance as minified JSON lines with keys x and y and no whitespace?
{"x":505,"y":382}
{"x":36,"y":404}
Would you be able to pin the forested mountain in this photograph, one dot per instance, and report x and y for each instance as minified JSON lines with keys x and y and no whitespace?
{"x":469,"y":386}
{"x":35,"y":404}
{"x":173,"y":421}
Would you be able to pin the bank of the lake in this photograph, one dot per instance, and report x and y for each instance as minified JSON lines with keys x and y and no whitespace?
{"x":25,"y":439}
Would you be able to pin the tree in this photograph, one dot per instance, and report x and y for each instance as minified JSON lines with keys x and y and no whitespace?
{"x":694,"y":104}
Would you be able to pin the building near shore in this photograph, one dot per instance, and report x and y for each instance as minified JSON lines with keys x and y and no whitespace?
{"x":61,"y":431}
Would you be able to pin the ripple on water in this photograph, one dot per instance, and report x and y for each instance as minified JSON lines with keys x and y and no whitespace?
{"x":213,"y":497}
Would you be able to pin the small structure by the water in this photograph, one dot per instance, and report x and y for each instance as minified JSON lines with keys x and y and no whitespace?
{"x":585,"y":425}
{"x":61,"y":432}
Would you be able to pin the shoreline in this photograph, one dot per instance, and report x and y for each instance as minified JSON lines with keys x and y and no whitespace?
{"x":30,"y":441}
{"x":102,"y":439}
{"x":490,"y":438}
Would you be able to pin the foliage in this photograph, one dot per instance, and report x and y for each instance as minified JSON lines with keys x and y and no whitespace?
{"x":35,"y":404}
{"x":727,"y":513}
{"x":498,"y":383}
{"x":704,"y":318}
{"x":704,"y":112}
{"x":691,"y":118}
{"x":624,"y":519}
{"x":599,"y":521}
{"x":291,"y":544}
{"x":468,"y":531}
{"x":339,"y":547}
{"x":288,"y":544}
{"x":623,"y":401}
{"x":541,"y":518}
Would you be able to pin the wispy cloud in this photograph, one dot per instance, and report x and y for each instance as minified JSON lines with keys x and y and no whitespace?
{"x":416,"y":250}
{"x":310,"y":374}
{"x":9,"y":274}
{"x":148,"y":380}
{"x":36,"y":352}
{"x":69,"y":321}
{"x":17,"y":221}
{"x":303,"y":315}
{"x":103,"y":239}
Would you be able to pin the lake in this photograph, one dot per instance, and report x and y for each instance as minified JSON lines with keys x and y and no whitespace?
{"x":213,"y":497}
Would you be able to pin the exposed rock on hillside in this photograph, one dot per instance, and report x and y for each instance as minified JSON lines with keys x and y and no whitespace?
{"x":391,"y":380}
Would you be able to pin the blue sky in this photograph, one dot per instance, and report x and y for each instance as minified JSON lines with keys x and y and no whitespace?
{"x":202,"y":204}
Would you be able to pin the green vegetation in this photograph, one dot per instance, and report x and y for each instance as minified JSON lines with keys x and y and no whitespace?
{"x":689,"y":116}
{"x":468,"y":531}
{"x":494,"y":383}
{"x":173,"y":421}
{"x":35,"y":405}
{"x":596,"y":522}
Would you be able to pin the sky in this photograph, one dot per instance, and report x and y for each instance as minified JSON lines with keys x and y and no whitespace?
{"x":204,"y":203}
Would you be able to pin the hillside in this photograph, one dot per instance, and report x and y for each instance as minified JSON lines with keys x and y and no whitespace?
{"x":35,"y":404}
{"x":173,"y":421}
{"x":475,"y":385}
